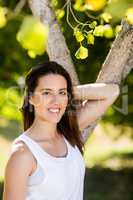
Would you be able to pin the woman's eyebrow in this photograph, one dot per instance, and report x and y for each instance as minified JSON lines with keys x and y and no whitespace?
{"x":53,"y":89}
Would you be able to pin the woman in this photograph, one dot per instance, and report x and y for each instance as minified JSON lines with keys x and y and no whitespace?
{"x":46,"y":162}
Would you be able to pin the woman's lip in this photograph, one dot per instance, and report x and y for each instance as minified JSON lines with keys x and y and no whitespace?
{"x":54,"y":108}
{"x":58,"y":109}
{"x":54,"y":111}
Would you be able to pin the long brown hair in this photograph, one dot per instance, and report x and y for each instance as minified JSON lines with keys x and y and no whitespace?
{"x":68,"y":125}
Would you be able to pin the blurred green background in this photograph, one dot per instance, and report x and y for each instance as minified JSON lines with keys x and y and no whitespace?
{"x":109,"y":149}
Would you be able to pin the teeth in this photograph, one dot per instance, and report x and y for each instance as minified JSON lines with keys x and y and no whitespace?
{"x":54,"y":110}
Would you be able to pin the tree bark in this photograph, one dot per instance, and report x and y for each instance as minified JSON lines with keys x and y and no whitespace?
{"x":56,"y":46}
{"x":118,"y":62}
{"x":117,"y":65}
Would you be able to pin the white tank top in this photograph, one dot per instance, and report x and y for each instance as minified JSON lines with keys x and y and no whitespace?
{"x":56,"y":178}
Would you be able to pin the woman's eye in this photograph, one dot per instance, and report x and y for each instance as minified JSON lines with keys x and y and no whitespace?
{"x":46,"y":93}
{"x":63,"y":93}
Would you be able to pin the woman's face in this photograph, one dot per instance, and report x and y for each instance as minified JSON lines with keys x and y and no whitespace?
{"x":50,"y":97}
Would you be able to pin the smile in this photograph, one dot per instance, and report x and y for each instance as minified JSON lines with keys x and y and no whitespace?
{"x":53,"y":110}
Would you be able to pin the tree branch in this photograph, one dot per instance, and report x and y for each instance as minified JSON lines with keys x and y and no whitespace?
{"x":19,"y":7}
{"x":56,"y":47}
{"x":117,"y":65}
{"x":119,"y":60}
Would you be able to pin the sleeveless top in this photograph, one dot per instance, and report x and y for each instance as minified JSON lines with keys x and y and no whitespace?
{"x":56,"y":178}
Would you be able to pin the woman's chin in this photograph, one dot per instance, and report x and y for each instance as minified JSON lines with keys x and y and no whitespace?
{"x":54,"y":119}
{"x":51,"y":117}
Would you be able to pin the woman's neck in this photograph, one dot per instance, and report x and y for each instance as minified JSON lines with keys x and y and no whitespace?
{"x":43,"y":130}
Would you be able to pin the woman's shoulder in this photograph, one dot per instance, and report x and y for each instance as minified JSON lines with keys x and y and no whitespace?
{"x":20,"y":158}
{"x":19,"y":147}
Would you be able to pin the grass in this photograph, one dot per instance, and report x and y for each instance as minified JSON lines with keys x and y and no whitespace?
{"x":107,"y":151}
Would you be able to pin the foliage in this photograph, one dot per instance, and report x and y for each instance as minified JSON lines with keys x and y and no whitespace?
{"x":82,"y":53}
{"x":10,"y":103}
{"x":33,"y":36}
{"x":3,"y":19}
{"x":129,"y":15}
{"x":89,"y":34}
{"x":32,"y":31}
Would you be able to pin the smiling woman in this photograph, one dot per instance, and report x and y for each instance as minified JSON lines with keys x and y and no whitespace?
{"x":50,"y":100}
{"x":49,"y":86}
{"x":46,"y":159}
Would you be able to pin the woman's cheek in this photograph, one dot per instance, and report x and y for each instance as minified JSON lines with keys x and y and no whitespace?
{"x":37,"y":100}
{"x":64,"y":105}
{"x":65,"y":102}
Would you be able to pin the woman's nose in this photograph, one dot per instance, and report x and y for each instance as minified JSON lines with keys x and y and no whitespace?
{"x":55,"y":98}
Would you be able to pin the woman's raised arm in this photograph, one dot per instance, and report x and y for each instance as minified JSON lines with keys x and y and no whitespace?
{"x":96,"y":97}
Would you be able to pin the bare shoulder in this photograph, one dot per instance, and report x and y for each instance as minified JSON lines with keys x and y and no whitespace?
{"x":18,"y":168}
{"x":20,"y":159}
{"x":20,"y":148}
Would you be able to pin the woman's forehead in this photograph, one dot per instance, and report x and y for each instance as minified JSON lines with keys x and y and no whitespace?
{"x":52,"y":81}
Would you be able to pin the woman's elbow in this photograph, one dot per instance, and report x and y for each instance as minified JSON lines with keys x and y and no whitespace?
{"x":116,"y":90}
{"x":114,"y":93}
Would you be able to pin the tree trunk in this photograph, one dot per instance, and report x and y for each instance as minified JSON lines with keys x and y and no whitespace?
{"x":118,"y":62}
{"x":117,"y":65}
{"x":56,"y":47}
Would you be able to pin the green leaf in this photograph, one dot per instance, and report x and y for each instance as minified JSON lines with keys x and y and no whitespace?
{"x":3,"y":19}
{"x":90,"y":38}
{"x":78,"y":35}
{"x":81,"y":53}
{"x":78,"y":5}
{"x":108,"y":31}
{"x":129,"y":15}
{"x":106,"y":17}
{"x":98,"y":31}
{"x":93,"y":24}
{"x":60,"y":13}
{"x":118,"y":29}
{"x":95,"y":5}
{"x":33,"y":36}
{"x":32,"y":54}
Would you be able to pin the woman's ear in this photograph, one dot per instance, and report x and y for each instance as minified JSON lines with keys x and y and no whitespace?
{"x":35,"y":99}
{"x":31,"y":105}
{"x":31,"y":101}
